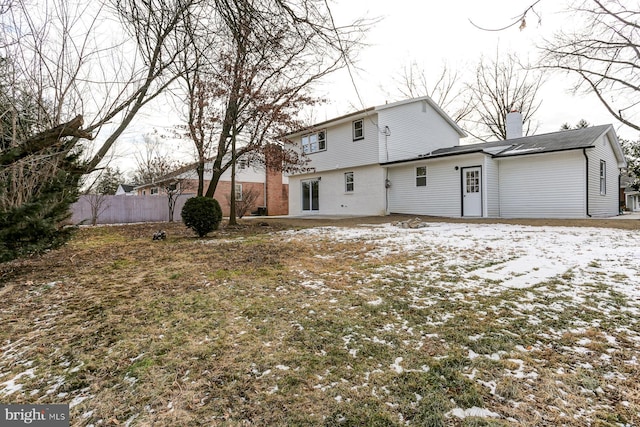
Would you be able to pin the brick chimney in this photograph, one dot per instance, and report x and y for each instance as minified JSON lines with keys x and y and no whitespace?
{"x":277,"y":193}
{"x":514,"y":125}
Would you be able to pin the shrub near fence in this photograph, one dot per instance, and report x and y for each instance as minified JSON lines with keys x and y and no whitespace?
{"x":128,"y":209}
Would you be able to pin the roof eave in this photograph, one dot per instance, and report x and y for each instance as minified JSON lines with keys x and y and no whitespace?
{"x":433,"y":105}
{"x":615,"y":144}
{"x":335,"y":121}
{"x":507,"y":155}
{"x":432,"y":157}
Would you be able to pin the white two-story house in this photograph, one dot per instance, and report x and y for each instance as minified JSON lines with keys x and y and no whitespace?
{"x":406,"y":157}
{"x":346,"y":154}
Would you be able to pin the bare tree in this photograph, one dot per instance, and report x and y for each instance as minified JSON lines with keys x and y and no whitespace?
{"x":520,"y":20}
{"x":74,"y":59}
{"x":245,"y":201}
{"x":152,"y":163}
{"x":254,"y":79}
{"x":158,"y":168}
{"x":446,"y":89}
{"x":172,"y":187}
{"x":503,"y":86}
{"x":98,"y":203}
{"x":269,"y":54}
{"x":604,"y":55}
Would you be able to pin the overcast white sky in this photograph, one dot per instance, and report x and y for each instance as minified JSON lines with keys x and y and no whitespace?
{"x":431,"y":33}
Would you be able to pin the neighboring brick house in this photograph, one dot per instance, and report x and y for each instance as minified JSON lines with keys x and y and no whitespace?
{"x":270,"y":186}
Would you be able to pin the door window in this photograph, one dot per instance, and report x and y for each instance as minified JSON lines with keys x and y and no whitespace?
{"x":473,"y":181}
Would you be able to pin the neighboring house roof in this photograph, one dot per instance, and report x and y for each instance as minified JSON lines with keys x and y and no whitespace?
{"x":173,"y":174}
{"x":127,"y":187}
{"x":367,"y":111}
{"x":565,"y":140}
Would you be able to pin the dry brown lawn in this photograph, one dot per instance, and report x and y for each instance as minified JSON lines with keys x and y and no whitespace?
{"x":265,"y":325}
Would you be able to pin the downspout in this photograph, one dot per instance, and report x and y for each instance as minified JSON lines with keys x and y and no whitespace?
{"x":584,"y":151}
{"x":622,"y":202}
{"x":387,"y":185}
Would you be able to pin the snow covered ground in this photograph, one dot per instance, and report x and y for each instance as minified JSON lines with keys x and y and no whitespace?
{"x":544,"y":320}
{"x":518,"y":256}
{"x":536,"y":277}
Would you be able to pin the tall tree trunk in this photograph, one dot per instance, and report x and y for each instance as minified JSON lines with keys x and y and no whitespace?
{"x":232,"y":209}
{"x":200,"y":170}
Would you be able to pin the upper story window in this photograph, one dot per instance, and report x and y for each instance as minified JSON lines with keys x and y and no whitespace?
{"x":358,"y":129}
{"x":348,"y":182}
{"x":603,"y":177}
{"x":421,"y":176}
{"x":314,"y":142}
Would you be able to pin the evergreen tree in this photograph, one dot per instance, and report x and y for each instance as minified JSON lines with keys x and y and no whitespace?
{"x":580,"y":125}
{"x":37,"y":224}
{"x":631,"y":151}
{"x":39,"y":173}
{"x":108,"y":181}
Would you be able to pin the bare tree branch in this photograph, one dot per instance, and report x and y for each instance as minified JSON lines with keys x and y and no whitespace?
{"x":503,"y":86}
{"x":520,"y":19}
{"x":447,"y":89}
{"x":604,"y":55}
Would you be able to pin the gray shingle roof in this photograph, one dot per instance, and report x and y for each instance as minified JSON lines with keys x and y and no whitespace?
{"x":545,"y":143}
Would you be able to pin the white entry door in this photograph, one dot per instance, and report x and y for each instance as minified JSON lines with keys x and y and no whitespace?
{"x":471,"y":191}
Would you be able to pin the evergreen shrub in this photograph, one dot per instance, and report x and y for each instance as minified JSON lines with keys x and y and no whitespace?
{"x":202,"y":215}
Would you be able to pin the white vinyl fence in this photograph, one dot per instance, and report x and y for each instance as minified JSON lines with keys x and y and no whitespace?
{"x":126,"y":209}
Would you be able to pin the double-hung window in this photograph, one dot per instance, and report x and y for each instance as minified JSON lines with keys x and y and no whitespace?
{"x":603,"y":177}
{"x":358,"y":129}
{"x":238,"y":192}
{"x":314,"y":142}
{"x":348,"y":182}
{"x":421,"y":176}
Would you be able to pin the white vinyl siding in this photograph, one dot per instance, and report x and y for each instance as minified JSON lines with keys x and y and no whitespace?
{"x":543,"y":186}
{"x":413,"y":132}
{"x":603,"y":203}
{"x":342,"y":152}
{"x":491,"y":188}
{"x":366,"y":199}
{"x":441,"y":197}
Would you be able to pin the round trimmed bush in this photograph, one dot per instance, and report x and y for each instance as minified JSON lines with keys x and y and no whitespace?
{"x":202,"y":215}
